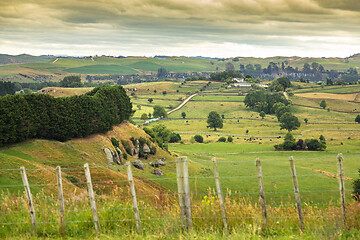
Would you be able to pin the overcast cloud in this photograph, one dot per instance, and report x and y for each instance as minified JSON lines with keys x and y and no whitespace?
{"x":216,"y":28}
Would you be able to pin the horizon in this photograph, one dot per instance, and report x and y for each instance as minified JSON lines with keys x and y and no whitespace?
{"x":153,"y":56}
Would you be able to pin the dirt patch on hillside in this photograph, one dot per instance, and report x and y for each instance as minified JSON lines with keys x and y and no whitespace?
{"x":328,"y":174}
{"x":344,"y":97}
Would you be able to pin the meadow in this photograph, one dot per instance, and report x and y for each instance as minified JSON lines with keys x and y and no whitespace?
{"x":317,"y":172}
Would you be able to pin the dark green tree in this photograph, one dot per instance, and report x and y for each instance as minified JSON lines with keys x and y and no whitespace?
{"x":7,"y":88}
{"x":199,"y":138}
{"x":323,"y":104}
{"x":150,"y":100}
{"x":159,"y":111}
{"x":262,"y":114}
{"x":356,"y":188}
{"x":289,"y":122}
{"x":183,"y":114}
{"x":214,"y":120}
{"x":162,"y":73}
{"x":71,"y":81}
{"x":357,"y":118}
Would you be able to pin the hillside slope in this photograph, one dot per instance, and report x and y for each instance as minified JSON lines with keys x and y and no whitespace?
{"x":45,"y":155}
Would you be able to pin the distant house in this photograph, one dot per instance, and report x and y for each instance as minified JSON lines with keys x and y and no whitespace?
{"x":239,"y":80}
{"x":248,"y":85}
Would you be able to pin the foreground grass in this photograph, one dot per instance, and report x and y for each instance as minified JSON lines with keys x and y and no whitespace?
{"x":160,"y":218}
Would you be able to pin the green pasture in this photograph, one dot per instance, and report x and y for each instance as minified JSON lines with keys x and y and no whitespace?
{"x":238,"y":174}
{"x":331,"y":89}
{"x":102,"y":69}
{"x":219,"y":98}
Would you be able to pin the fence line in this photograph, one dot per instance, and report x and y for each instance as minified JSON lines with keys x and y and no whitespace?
{"x":185,"y":196}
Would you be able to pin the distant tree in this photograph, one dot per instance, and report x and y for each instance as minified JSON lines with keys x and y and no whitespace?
{"x":229,"y":66}
{"x":262,"y":114}
{"x":222,"y":116}
{"x":162,"y":73}
{"x":357,"y":118}
{"x":230,"y":139}
{"x":164,"y":93}
{"x":214,"y":120}
{"x":306,"y":120}
{"x":159,"y":111}
{"x":150,"y":100}
{"x":329,"y":82}
{"x":183,"y":114}
{"x":155,"y":91}
{"x":323,"y":104}
{"x":144,"y":116}
{"x":315,"y":145}
{"x":289,"y":122}
{"x":174,"y":138}
{"x":199,"y":138}
{"x":149,"y":115}
{"x":7,"y":88}
{"x":356,"y":188}
{"x":222,"y":139}
{"x":71,"y":81}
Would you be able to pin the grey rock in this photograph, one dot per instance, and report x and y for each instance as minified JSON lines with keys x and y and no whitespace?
{"x":161,"y":162}
{"x":109,"y":155}
{"x":157,"y":172}
{"x":146,"y":149}
{"x":138,"y":164}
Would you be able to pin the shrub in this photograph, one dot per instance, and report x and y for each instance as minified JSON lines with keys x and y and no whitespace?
{"x":356,"y":188}
{"x":199,"y":138}
{"x":230,"y":139}
{"x":152,"y":150}
{"x":222,"y":139}
{"x":126,"y":147}
{"x":174,"y":138}
{"x":125,"y":155}
{"x":114,"y":142}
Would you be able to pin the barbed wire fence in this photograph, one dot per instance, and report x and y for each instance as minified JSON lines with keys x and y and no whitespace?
{"x":183,"y":208}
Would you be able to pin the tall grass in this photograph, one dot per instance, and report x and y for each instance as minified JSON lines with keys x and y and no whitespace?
{"x":160,"y":217}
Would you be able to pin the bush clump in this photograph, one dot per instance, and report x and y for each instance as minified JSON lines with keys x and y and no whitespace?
{"x":198,"y":138}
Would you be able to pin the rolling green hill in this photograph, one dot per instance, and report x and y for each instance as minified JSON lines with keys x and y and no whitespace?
{"x":22,"y":58}
{"x":141,"y":65}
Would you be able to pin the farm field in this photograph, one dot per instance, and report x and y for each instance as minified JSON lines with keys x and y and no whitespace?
{"x":143,"y":65}
{"x":236,"y":160}
{"x":316,"y":171}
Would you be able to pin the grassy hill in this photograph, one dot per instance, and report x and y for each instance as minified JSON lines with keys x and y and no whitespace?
{"x":144,"y":65}
{"x":316,"y":171}
{"x":22,"y":58}
{"x":45,"y":154}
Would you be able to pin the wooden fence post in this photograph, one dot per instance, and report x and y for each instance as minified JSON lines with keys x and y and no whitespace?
{"x":29,"y":197}
{"x":297,"y":193}
{"x":261,"y":190}
{"x":220,"y":195}
{"x":61,"y":199}
{"x":92,"y":197}
{"x":189,"y":222}
{"x":133,"y":196}
{"x":181,"y":188}
{"x":342,"y":186}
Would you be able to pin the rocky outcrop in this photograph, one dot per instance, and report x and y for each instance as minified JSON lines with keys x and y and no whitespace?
{"x":157,"y":172}
{"x":138,"y":164}
{"x":109,"y":155}
{"x":113,"y":156}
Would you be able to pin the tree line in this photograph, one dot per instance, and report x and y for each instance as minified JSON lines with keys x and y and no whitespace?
{"x":42,"y":116}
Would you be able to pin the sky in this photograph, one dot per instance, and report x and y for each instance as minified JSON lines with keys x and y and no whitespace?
{"x":212,"y":28}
